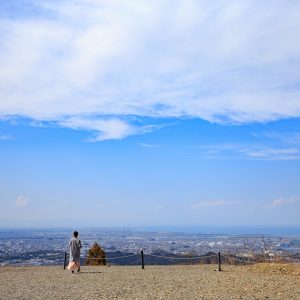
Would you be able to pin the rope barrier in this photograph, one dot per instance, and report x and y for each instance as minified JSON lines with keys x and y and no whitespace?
{"x":170,"y":257}
{"x":153,"y":255}
{"x":239,"y":259}
{"x":108,"y":258}
{"x":242,"y":260}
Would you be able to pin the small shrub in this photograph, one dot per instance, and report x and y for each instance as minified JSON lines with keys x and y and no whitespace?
{"x":96,"y":256}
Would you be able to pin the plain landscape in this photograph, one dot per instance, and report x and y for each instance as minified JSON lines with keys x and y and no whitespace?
{"x":178,"y":265}
{"x":47,"y":246}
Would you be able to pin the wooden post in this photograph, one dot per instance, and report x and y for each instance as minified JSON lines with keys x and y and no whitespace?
{"x":65,"y":261}
{"x":219,"y":261}
{"x":142,"y":257}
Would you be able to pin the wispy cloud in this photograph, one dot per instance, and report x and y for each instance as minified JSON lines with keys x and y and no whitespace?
{"x":291,"y":138}
{"x":22,"y":201}
{"x":159,"y":208}
{"x":149,"y":145}
{"x":233,"y":62}
{"x":267,"y":153}
{"x":249,"y":151}
{"x":215,"y":203}
{"x":282,"y":202}
{"x":106,"y":128}
{"x":285,"y":202}
{"x":7,"y":137}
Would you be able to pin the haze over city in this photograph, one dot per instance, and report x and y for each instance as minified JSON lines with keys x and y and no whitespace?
{"x":149,"y":113}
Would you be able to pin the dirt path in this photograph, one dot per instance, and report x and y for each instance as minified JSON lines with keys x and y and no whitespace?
{"x":155,"y":282}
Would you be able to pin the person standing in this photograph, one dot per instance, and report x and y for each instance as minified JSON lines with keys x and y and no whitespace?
{"x":74,"y":246}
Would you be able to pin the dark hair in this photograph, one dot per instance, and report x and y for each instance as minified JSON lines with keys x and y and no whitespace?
{"x":75,"y":233}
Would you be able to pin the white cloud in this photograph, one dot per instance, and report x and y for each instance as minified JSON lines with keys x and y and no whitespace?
{"x":99,"y":205}
{"x":145,"y":145}
{"x":22,"y":201}
{"x":215,"y":203}
{"x":249,"y":151}
{"x":107,"y":129}
{"x":268,"y":153}
{"x":233,"y":61}
{"x":6,"y":137}
{"x":159,"y":208}
{"x":292,"y":138}
{"x":285,"y":201}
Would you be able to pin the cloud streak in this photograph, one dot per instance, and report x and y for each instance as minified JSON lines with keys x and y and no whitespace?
{"x":280,"y":202}
{"x":7,"y":137}
{"x":145,"y":145}
{"x":205,"y":204}
{"x":234,"y":62}
{"x":22,"y":201}
{"x":106,"y":129}
{"x":250,"y":151}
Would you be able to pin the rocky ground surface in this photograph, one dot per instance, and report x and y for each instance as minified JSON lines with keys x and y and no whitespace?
{"x":262,"y":281}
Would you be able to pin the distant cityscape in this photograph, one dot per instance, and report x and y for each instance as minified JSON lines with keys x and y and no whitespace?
{"x":47,"y":246}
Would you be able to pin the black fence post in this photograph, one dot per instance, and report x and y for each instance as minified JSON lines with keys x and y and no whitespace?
{"x":219,"y":260}
{"x":65,"y":261}
{"x":142,"y":257}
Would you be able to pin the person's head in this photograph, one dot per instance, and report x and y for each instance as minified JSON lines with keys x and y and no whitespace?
{"x":75,"y":233}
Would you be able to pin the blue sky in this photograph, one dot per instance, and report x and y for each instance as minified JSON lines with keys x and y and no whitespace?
{"x":149,"y":113}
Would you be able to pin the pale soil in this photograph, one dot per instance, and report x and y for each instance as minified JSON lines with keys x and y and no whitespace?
{"x":154,"y":282}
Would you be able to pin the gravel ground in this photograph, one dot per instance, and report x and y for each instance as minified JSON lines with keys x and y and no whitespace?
{"x":154,"y":282}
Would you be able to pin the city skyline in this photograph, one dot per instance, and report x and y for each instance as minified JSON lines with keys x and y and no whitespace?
{"x":162,"y":113}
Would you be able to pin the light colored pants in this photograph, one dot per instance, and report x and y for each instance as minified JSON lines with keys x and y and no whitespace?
{"x":74,"y":265}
